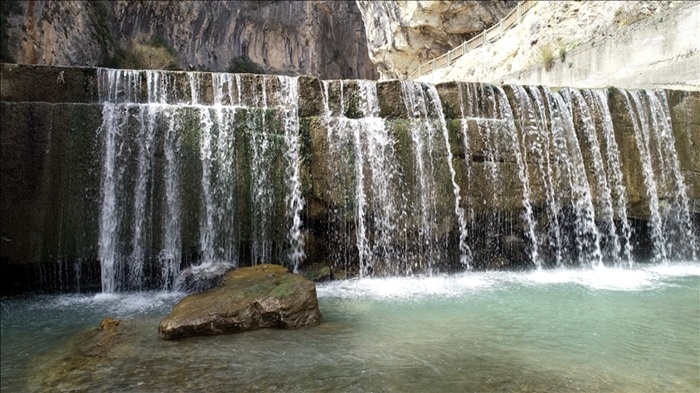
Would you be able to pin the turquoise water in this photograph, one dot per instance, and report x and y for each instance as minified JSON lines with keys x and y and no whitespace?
{"x":607,"y":330}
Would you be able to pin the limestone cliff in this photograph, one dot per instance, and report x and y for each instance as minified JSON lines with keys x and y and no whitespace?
{"x":56,"y":32}
{"x":403,"y":34}
{"x":324,"y":38}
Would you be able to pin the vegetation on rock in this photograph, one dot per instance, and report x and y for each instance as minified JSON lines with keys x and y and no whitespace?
{"x":244,"y":65}
{"x":146,"y":53}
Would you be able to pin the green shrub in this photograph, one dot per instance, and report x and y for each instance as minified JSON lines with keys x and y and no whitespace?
{"x":244,"y":65}
{"x":143,"y":53}
{"x":547,"y":55}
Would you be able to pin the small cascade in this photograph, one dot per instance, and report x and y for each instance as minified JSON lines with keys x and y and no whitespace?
{"x":506,"y":113}
{"x":165,"y":204}
{"x":363,"y":150}
{"x":585,"y":231}
{"x":465,"y":255}
{"x":604,"y":213}
{"x":537,"y":145}
{"x":641,"y":138}
{"x":294,"y":201}
{"x":598,"y":101}
{"x":261,"y":147}
{"x":670,"y":225}
{"x":424,"y":200}
{"x":426,"y":153}
{"x":466,"y":145}
{"x":119,"y":86}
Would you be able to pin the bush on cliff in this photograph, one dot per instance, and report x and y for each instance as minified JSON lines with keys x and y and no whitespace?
{"x":145,"y":53}
{"x":244,"y":65}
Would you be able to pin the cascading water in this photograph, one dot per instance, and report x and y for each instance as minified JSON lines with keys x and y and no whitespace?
{"x":537,"y":144}
{"x":570,"y":162}
{"x":506,"y":113}
{"x":670,"y":224}
{"x":598,"y":101}
{"x":294,"y":200}
{"x":365,"y":146}
{"x":166,"y":214}
{"x":219,"y":168}
{"x":465,"y":255}
{"x":429,"y":158}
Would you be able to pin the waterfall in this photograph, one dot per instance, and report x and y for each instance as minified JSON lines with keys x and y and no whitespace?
{"x":363,"y":160}
{"x":464,"y":252}
{"x":423,"y":136}
{"x":670,"y":226}
{"x":537,"y":144}
{"x":381,"y":178}
{"x":506,"y":113}
{"x":613,"y":169}
{"x":587,"y":237}
{"x":158,"y":213}
{"x":294,"y":198}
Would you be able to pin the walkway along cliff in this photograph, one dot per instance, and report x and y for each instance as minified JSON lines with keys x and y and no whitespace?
{"x":118,"y":179}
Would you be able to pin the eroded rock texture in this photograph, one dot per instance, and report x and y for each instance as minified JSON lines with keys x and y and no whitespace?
{"x":324,"y":38}
{"x":403,"y":34}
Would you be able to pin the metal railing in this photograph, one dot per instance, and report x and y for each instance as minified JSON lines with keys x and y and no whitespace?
{"x":487,"y":36}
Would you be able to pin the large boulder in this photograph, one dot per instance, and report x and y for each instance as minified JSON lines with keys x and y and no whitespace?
{"x":262,"y":296}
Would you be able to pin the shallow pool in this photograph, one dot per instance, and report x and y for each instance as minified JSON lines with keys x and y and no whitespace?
{"x":606,"y":330}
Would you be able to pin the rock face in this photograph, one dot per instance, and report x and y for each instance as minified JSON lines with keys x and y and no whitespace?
{"x":403,"y":34}
{"x":56,"y":32}
{"x":578,"y":34}
{"x":262,"y":296}
{"x":324,"y":38}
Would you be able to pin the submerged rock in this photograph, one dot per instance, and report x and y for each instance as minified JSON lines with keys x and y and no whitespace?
{"x":262,"y":296}
{"x":201,"y":278}
{"x":108,"y":323}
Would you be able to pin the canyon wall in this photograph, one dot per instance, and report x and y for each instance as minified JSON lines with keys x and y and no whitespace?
{"x":320,"y":38}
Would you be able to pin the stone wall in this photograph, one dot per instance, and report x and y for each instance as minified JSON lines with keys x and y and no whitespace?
{"x":51,"y":169}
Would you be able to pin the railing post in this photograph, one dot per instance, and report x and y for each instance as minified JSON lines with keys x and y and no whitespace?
{"x":520,"y":14}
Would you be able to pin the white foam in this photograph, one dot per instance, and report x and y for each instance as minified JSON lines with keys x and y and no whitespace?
{"x":406,"y":287}
{"x":115,"y":304}
{"x":469,"y":283}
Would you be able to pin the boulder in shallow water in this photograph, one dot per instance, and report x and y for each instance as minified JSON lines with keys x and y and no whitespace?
{"x":262,"y":296}
{"x":203,"y":277}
